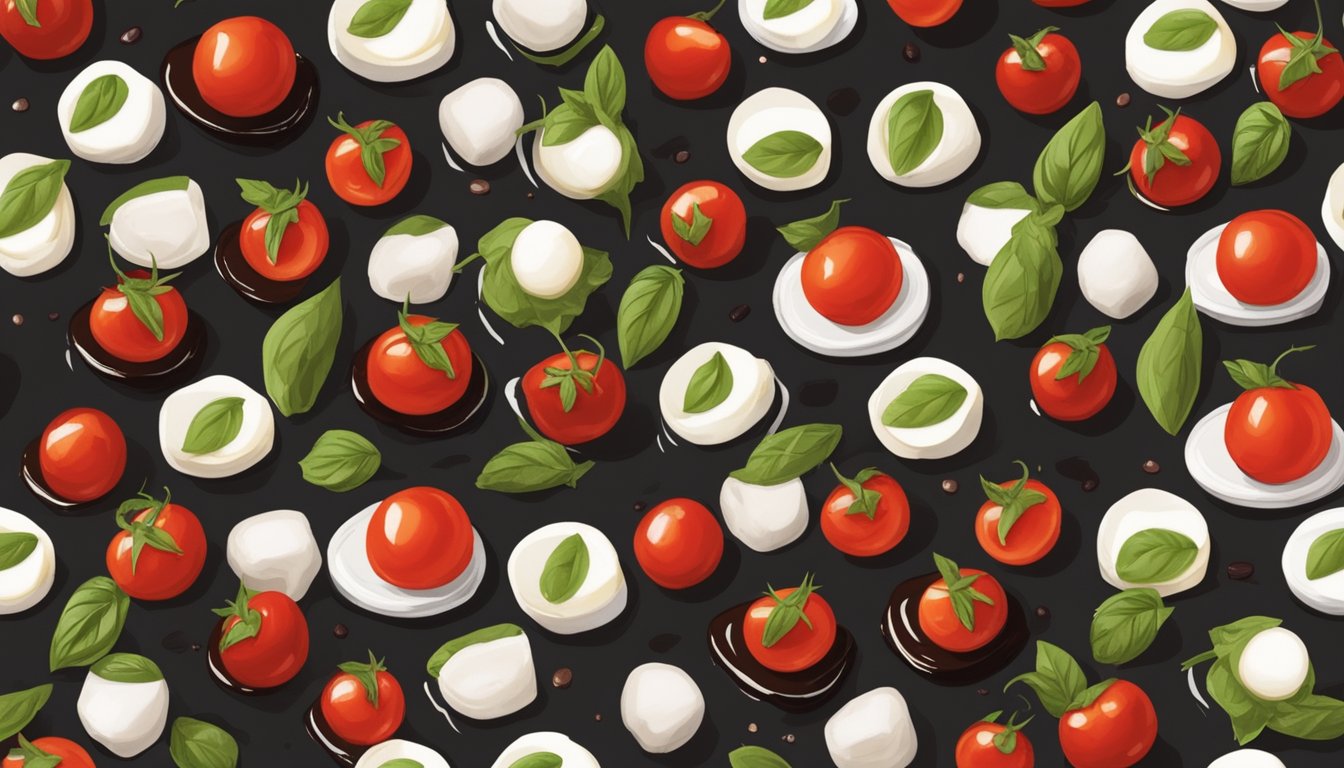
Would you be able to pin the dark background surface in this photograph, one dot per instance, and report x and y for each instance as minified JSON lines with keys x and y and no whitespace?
{"x":35,"y":384}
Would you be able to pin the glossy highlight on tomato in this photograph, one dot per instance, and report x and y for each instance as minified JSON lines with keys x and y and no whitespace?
{"x":1266,"y":257}
{"x":58,"y":27}
{"x":1277,"y":431}
{"x":82,"y":454}
{"x":790,"y":630}
{"x":419,"y":538}
{"x":712,"y":237}
{"x":1115,"y":731}
{"x":679,"y":543}
{"x":853,"y":276}
{"x":244,"y":66}
{"x":363,"y":704}
{"x":171,"y":544}
{"x":686,"y":57}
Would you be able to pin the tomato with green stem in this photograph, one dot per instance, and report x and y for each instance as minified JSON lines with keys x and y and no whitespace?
{"x":1301,"y":72}
{"x":1277,"y":431}
{"x":991,"y":744}
{"x":574,"y":397}
{"x":1073,"y":376}
{"x":369,"y":163}
{"x":1020,"y":522}
{"x":1175,"y":162}
{"x":865,"y":515}
{"x":963,"y":609}
{"x":160,"y":549}
{"x":46,"y":29}
{"x":704,"y":224}
{"x":686,"y":57}
{"x":421,"y":366}
{"x":263,"y":639}
{"x":285,"y":238}
{"x":141,"y":318}
{"x":363,"y":704}
{"x":1039,"y":74}
{"x":789,"y":630}
{"x":47,"y":752}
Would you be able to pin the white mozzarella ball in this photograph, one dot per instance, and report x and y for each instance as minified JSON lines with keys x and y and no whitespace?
{"x":873,"y":730}
{"x":599,"y":600}
{"x":253,"y":443}
{"x":771,"y":111}
{"x":541,"y":25}
{"x":24,"y":584}
{"x":480,"y":120}
{"x":1332,"y":207}
{"x":380,"y":755}
{"x":582,"y":168}
{"x":764,"y":517}
{"x":275,"y":551}
{"x":956,"y":150}
{"x":167,"y":228}
{"x":1179,"y":74}
{"x":1274,"y":664}
{"x":662,"y":707}
{"x":1116,"y":274}
{"x":982,"y":232}
{"x":1324,"y":594}
{"x":748,"y":401}
{"x":125,"y":717}
{"x":799,"y":30}
{"x":547,"y":259}
{"x":415,"y":266}
{"x":935,"y":441}
{"x":491,"y":679}
{"x":1147,"y":509}
{"x":129,"y":134}
{"x":44,"y":245}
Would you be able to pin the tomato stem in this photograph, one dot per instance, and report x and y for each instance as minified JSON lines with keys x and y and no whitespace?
{"x":706,"y":16}
{"x":1274,"y":366}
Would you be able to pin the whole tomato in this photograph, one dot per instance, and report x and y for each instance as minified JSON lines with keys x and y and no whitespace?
{"x":1301,"y":72}
{"x":575,"y":397}
{"x":1175,"y":162}
{"x":1114,"y":730}
{"x":82,"y":454}
{"x":790,"y":630}
{"x":42,"y":752}
{"x":285,"y":238}
{"x":263,"y":641}
{"x":964,"y":609}
{"x":865,"y":515}
{"x":686,"y":57}
{"x":369,"y":163}
{"x":244,"y":66}
{"x":991,"y":744}
{"x":1073,"y":375}
{"x":363,"y":704}
{"x":422,"y":366}
{"x":1266,"y":257}
{"x":1276,"y":431}
{"x":705,"y":224}
{"x":141,"y":318}
{"x":1039,"y":74}
{"x":1020,"y":522}
{"x":46,"y":29}
{"x":420,"y":538}
{"x":679,"y":543}
{"x":160,"y":550}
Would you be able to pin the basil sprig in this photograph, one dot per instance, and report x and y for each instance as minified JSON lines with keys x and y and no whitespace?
{"x":914,"y":129}
{"x":1015,"y":500}
{"x":373,"y":145}
{"x":960,"y":591}
{"x":568,"y":379}
{"x":565,"y":570}
{"x":1125,"y":625}
{"x":1169,"y":365}
{"x":536,"y":465}
{"x":1305,"y":60}
{"x":1058,"y":681}
{"x":1085,"y":351}
{"x":1068,"y":169}
{"x":127,"y":668}
{"x":865,"y":499}
{"x":806,"y":234}
{"x":30,"y":195}
{"x":138,"y":517}
{"x":366,"y":674}
{"x":142,"y":294}
{"x":249,"y":620}
{"x":341,"y":461}
{"x":1259,"y":143}
{"x":89,"y":624}
{"x":98,"y":102}
{"x":299,"y":348}
{"x":930,"y":399}
{"x":280,"y":205}
{"x":648,"y":311}
{"x":789,"y":454}
{"x":1160,"y":149}
{"x":788,"y":611}
{"x":198,"y":744}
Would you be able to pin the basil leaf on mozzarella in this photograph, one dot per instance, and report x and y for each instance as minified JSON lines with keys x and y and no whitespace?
{"x":1183,"y":30}
{"x":452,"y":647}
{"x":778,"y":9}
{"x":789,"y":453}
{"x":153,"y":186}
{"x":930,"y":399}
{"x":376,"y":18}
{"x":1325,"y":557}
{"x":127,"y":668}
{"x":30,"y":195}
{"x":538,"y":760}
{"x":214,"y":426}
{"x":1155,"y":555}
{"x":784,"y":154}
{"x":565,"y":570}
{"x":15,"y":547}
{"x":914,"y":129}
{"x":99,"y":102}
{"x":504,"y":294}
{"x":415,"y":225}
{"x":710,"y":385}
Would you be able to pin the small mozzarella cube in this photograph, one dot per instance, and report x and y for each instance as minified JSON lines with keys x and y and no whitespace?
{"x":1116,"y":274}
{"x":662,"y":707}
{"x":542,"y":25}
{"x":415,"y":266}
{"x":489,"y":680}
{"x":547,"y":259}
{"x":480,"y":120}
{"x":275,"y":551}
{"x":764,"y":517}
{"x":873,"y":730}
{"x":125,"y":717}
{"x":166,"y":228}
{"x":582,"y":168}
{"x":1274,"y":664}
{"x":982,"y":232}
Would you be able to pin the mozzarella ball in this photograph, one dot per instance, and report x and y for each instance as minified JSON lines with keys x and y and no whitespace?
{"x":1179,"y":74}
{"x":935,"y":441}
{"x":662,"y":707}
{"x":1116,"y":274}
{"x":492,"y":679}
{"x":599,"y":600}
{"x":416,"y":266}
{"x":481,"y":119}
{"x":1332,"y":207}
{"x":1145,"y":509}
{"x":752,"y":394}
{"x":1274,"y":664}
{"x":380,"y":755}
{"x":764,"y":517}
{"x":25,"y":584}
{"x":252,"y":444}
{"x":873,"y":730}
{"x":547,"y":260}
{"x":796,"y":31}
{"x":541,"y":25}
{"x":167,"y":228}
{"x":125,"y":717}
{"x":582,"y":168}
{"x":982,"y":232}
{"x":956,"y":150}
{"x":1325,"y":594}
{"x":127,"y":135}
{"x":1247,"y":758}
{"x":275,"y":552}
{"x":771,"y":111}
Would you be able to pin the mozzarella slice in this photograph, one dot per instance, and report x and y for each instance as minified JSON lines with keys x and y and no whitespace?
{"x":1213,"y":299}
{"x":275,"y":552}
{"x":1332,"y":207}
{"x":764,"y":517}
{"x":771,"y":111}
{"x":936,"y":441}
{"x":1274,"y":664}
{"x":44,"y":245}
{"x":816,"y":26}
{"x":570,"y":753}
{"x":168,"y":228}
{"x":1142,"y":510}
{"x":414,"y":266}
{"x":662,"y":707}
{"x":1325,"y":594}
{"x":982,"y":232}
{"x":1116,"y":274}
{"x":598,"y":601}
{"x":392,"y":750}
{"x":956,"y":151}
{"x":1247,"y":758}
{"x":491,"y":679}
{"x":26,"y":583}
{"x":580,"y":169}
{"x":481,"y":119}
{"x":547,"y":259}
{"x":874,"y":730}
{"x":422,"y":41}
{"x":541,"y":25}
{"x":1179,"y":74}
{"x":252,"y":444}
{"x":748,"y":401}
{"x":130,"y":134}
{"x":1211,"y":466}
{"x":125,"y":717}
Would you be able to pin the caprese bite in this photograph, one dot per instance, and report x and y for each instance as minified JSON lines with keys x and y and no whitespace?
{"x":926,"y":409}
{"x":704,"y":224}
{"x":715,"y":393}
{"x":1154,"y":539}
{"x":486,"y":674}
{"x":1174,"y":163}
{"x":1313,"y":562}
{"x":414,"y":259}
{"x":370,"y":163}
{"x":1301,"y":72}
{"x":925,"y":13}
{"x":27,"y":563}
{"x":764,"y":503}
{"x":865,"y":515}
{"x":1039,"y":74}
{"x":789,"y":26}
{"x":391,"y":42}
{"x":662,"y":707}
{"x":274,"y":551}
{"x":480,"y":120}
{"x":550,"y":32}
{"x":216,"y":427}
{"x":921,"y":135}
{"x":160,"y":549}
{"x":111,"y":114}
{"x":988,"y":743}
{"x":545,"y":748}
{"x":686,"y":58}
{"x":78,"y":458}
{"x":780,"y":140}
{"x":1073,"y":375}
{"x":1261,"y":268}
{"x":123,"y":704}
{"x":259,"y":643}
{"x":160,"y":222}
{"x":37,"y":214}
{"x":1178,"y":48}
{"x":1115,"y":273}
{"x":575,"y":397}
{"x":42,"y":751}
{"x":413,"y":554}
{"x":361,"y":705}
{"x":873,"y":728}
{"x":567,"y":578}
{"x":268,"y":256}
{"x":398,"y":752}
{"x":1020,"y":522}
{"x":46,"y":29}
{"x":989,"y":216}
{"x":678,"y":543}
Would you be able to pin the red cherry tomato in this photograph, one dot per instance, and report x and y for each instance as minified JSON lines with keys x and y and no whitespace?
{"x":364,"y":703}
{"x":57,"y":27}
{"x":1114,"y":731}
{"x":801,"y":634}
{"x":678,"y":543}
{"x":852,"y":276}
{"x":135,"y":331}
{"x":1039,"y":74}
{"x":244,"y":66}
{"x":409,"y":375}
{"x":1175,"y":162}
{"x":983,"y":602}
{"x":1301,"y":92}
{"x":82,"y":454}
{"x":1276,"y":431}
{"x":1266,"y":257}
{"x":990,"y":744}
{"x":925,"y":13}
{"x":1020,"y":523}
{"x":686,"y":57}
{"x":419,"y":538}
{"x":369,"y":163}
{"x":1073,"y":376}
{"x":574,"y":397}
{"x":171,"y":545}
{"x":270,"y":646}
{"x":705,"y":224}
{"x":70,"y":754}
{"x":866,"y":515}
{"x":301,"y":244}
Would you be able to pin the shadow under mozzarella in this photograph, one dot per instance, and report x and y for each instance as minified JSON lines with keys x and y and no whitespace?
{"x":1324,"y":593}
{"x":935,"y":441}
{"x":599,"y":599}
{"x":422,"y":41}
{"x":662,"y":707}
{"x":1152,"y":509}
{"x":1178,"y":74}
{"x":253,"y":443}
{"x":957,"y":147}
{"x":275,"y":552}
{"x":1211,"y":466}
{"x":542,"y":25}
{"x":392,"y":750}
{"x":747,"y":402}
{"x":486,"y":674}
{"x":1115,"y":274}
{"x":112,"y":114}
{"x":762,"y":122}
{"x":160,"y":222}
{"x":873,"y":730}
{"x":25,"y":583}
{"x":410,"y":262}
{"x":45,"y":244}
{"x":1212,"y":298}
{"x":816,"y":26}
{"x":480,"y":120}
{"x":764,"y":517}
{"x":124,"y":703}
{"x":571,"y":754}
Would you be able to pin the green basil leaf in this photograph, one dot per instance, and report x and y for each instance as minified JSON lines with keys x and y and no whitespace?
{"x":930,"y":399}
{"x":789,"y":454}
{"x":566,"y":123}
{"x":1155,"y":555}
{"x":617,"y":194}
{"x":17,"y":709}
{"x":1183,"y":30}
{"x":778,"y":9}
{"x":710,"y":385}
{"x":15,"y":547}
{"x":214,"y":426}
{"x":1126,"y":624}
{"x":503,"y":294}
{"x":565,"y":570}
{"x":1169,"y":365}
{"x":1057,"y":679}
{"x":151,"y":187}
{"x":30,"y":196}
{"x":341,"y":461}
{"x":1326,"y":555}
{"x":538,"y":760}
{"x":537,"y":465}
{"x":806,"y":234}
{"x":127,"y":668}
{"x":1004,"y":194}
{"x":198,"y":744}
{"x":1022,"y":281}
{"x":604,"y":84}
{"x":1228,"y":637}
{"x":376,"y":18}
{"x":784,"y":154}
{"x":89,"y":624}
{"x":402,"y":762}
{"x":914,"y":128}
{"x":452,"y":647}
{"x":1259,"y":143}
{"x":648,"y":312}
{"x":695,"y":230}
{"x":1249,"y":713}
{"x":416,"y":225}
{"x":1069,"y":167}
{"x":28,"y":11}
{"x":99,"y":102}
{"x":298,"y":350}
{"x":756,"y":757}
{"x":1319,"y":718}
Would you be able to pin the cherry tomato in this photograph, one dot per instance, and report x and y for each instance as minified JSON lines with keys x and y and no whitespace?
{"x":244,"y":66}
{"x":574,"y":397}
{"x":1020,"y":523}
{"x":801,"y":633}
{"x":70,"y":754}
{"x":1302,"y":91}
{"x":1039,"y":74}
{"x":1276,"y":431}
{"x":1114,"y":731}
{"x":420,"y":367}
{"x":866,"y":515}
{"x":686,"y":57}
{"x":1176,"y":162}
{"x":962,"y":618}
{"x":925,"y":13}
{"x":82,"y":454}
{"x":285,"y":238}
{"x":705,"y":224}
{"x":852,"y":276}
{"x":264,"y":639}
{"x":1266,"y":257}
{"x":136,"y":322}
{"x":990,"y":744}
{"x":363,"y":704}
{"x":1073,"y":376}
{"x":171,"y":544}
{"x":57,"y":27}
{"x":369,"y":163}
{"x":678,"y":543}
{"x":419,"y":538}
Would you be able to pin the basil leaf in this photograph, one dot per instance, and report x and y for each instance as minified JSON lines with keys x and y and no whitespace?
{"x":1126,"y":624}
{"x":452,"y":647}
{"x":756,"y":757}
{"x":99,"y":102}
{"x":538,"y":760}
{"x":341,"y":461}
{"x":567,"y":55}
{"x":151,"y":187}
{"x":214,"y":426}
{"x":617,"y":194}
{"x":778,"y":9}
{"x":1057,"y":679}
{"x":1326,"y":555}
{"x":1249,"y":713}
{"x":1155,"y":555}
{"x":198,"y":744}
{"x":565,"y":570}
{"x":1227,"y":637}
{"x":914,"y":128}
{"x":15,"y":547}
{"x":648,"y":312}
{"x":89,"y":624}
{"x":402,"y":762}
{"x":298,"y":350}
{"x":416,"y":225}
{"x":1319,"y":718}
{"x":566,"y":123}
{"x":930,"y":399}
{"x":1169,"y":365}
{"x":710,"y":385}
{"x":1090,"y":694}
{"x":1069,"y":167}
{"x":789,"y":453}
{"x":127,"y":668}
{"x":1183,"y":30}
{"x":784,"y":154}
{"x":806,"y":234}
{"x":695,"y":230}
{"x":503,"y":294}
{"x":604,"y":84}
{"x":28,"y":11}
{"x":376,"y":18}
{"x":1022,"y":281}
{"x":30,"y":196}
{"x":1004,"y":194}
{"x":1259,"y":143}
{"x":17,"y":709}
{"x":537,"y":465}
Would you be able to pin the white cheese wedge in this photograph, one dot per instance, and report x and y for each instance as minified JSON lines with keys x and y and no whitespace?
{"x":481,"y":119}
{"x":125,"y":717}
{"x":1325,"y":594}
{"x":956,"y":151}
{"x":570,"y":753}
{"x":1116,"y":274}
{"x":252,"y":444}
{"x":1212,"y":298}
{"x":1179,"y":74}
{"x":541,"y":25}
{"x":1142,"y":510}
{"x":771,"y":111}
{"x":275,"y":552}
{"x":982,"y":232}
{"x":1248,"y":758}
{"x":764,"y":517}
{"x":392,"y":750}
{"x":418,"y":266}
{"x":422,"y":41}
{"x":1274,"y":664}
{"x":1255,"y":6}
{"x":547,"y":259}
{"x":167,"y":227}
{"x":752,"y":394}
{"x":26,"y":583}
{"x":491,"y":679}
{"x":598,"y":601}
{"x":129,"y":134}
{"x":1211,"y":466}
{"x":44,"y":245}
{"x":1332,"y":207}
{"x":816,"y":26}
{"x":582,"y":168}
{"x":936,"y":441}
{"x":662,"y":707}
{"x":873,"y":730}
